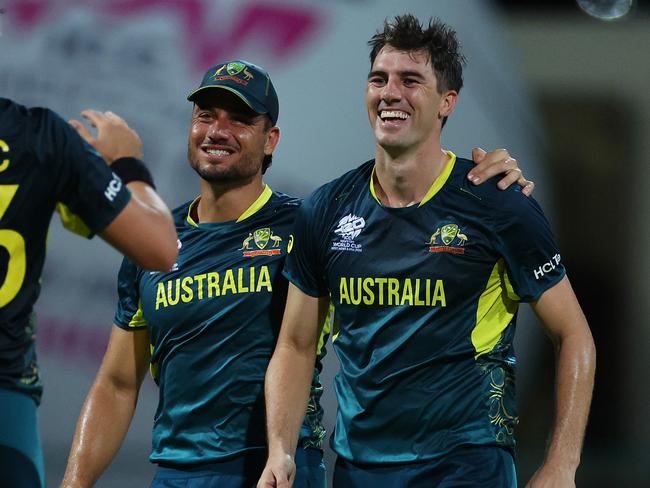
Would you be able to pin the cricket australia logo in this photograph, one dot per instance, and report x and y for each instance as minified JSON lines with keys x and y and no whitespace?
{"x":261,"y":238}
{"x":451,"y":240}
{"x":348,"y":230}
{"x":235,"y":71}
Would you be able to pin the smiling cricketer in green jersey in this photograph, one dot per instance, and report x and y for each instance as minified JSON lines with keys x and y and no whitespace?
{"x":213,"y":322}
{"x":426,"y":302}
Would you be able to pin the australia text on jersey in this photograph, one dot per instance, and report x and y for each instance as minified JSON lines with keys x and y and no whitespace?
{"x":213,"y":284}
{"x":392,"y":291}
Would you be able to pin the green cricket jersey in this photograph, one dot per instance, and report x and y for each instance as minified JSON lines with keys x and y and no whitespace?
{"x":213,"y":321}
{"x":426,"y":300}
{"x":44,"y":165}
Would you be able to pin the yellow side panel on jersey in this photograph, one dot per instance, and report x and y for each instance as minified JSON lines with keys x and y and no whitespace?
{"x":153,"y":367}
{"x":71,"y":221}
{"x":138,"y":320}
{"x":327,"y":328}
{"x":494,"y":312}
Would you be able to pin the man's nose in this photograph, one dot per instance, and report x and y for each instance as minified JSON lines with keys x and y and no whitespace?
{"x":391,"y":90}
{"x":219,"y":128}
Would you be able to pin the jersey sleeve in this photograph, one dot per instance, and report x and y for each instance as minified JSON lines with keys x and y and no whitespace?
{"x":303,"y":266}
{"x":525,"y":240}
{"x":128,"y":315}
{"x":90,"y":194}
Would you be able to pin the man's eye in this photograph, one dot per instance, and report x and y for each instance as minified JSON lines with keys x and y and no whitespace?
{"x":243,"y":120}
{"x":376,"y":81}
{"x":410,"y":81}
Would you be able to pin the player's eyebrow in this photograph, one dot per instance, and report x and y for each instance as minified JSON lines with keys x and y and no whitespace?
{"x":402,"y":74}
{"x":411,"y":74}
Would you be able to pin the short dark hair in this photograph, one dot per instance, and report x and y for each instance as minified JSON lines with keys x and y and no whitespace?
{"x":406,"y":33}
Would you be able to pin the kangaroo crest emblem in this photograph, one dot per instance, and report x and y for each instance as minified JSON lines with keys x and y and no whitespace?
{"x":453,"y":240}
{"x":448,"y":233}
{"x":261,"y":237}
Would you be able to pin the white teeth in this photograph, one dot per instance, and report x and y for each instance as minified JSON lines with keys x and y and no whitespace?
{"x":393,"y":114}
{"x":217,"y":152}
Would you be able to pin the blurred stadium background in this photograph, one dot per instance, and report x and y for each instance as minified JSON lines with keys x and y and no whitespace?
{"x":565,"y":92}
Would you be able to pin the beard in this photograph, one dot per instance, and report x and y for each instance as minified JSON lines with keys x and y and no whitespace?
{"x":242,"y":171}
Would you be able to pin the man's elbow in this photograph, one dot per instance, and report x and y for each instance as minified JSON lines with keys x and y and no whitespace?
{"x":160,"y":257}
{"x":582,"y":346}
{"x":589,"y":351}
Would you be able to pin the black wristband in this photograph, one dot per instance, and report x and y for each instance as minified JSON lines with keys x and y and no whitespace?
{"x":132,"y":169}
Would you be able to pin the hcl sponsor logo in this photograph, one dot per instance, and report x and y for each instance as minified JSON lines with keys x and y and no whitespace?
{"x":547,"y":267}
{"x":114,"y":186}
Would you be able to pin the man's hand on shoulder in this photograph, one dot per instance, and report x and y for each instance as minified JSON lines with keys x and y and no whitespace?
{"x":499,"y":161}
{"x":115,"y":139}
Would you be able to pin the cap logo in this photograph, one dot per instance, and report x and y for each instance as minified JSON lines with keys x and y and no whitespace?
{"x":246,"y":80}
{"x":233,"y":70}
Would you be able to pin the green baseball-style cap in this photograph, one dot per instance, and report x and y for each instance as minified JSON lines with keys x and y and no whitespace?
{"x":248,"y":81}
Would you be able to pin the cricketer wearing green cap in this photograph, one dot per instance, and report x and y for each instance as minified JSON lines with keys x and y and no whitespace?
{"x":207,"y":328}
{"x":249,"y":82}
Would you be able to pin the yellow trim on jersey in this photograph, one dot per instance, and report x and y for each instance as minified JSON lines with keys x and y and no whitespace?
{"x":4,"y":147}
{"x":255,"y":207}
{"x":257,"y":204}
{"x":153,"y":367}
{"x":327,"y":328}
{"x":441,"y":179}
{"x":72,"y":221}
{"x":494,"y":312}
{"x":138,"y":319}
{"x":336,"y":328}
{"x":189,"y":219}
{"x":372,"y":186}
{"x":435,"y":186}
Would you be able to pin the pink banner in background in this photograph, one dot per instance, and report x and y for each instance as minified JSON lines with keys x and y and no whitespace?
{"x":283,"y":28}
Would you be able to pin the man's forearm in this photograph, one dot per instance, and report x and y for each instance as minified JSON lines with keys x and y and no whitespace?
{"x":144,"y":230}
{"x":576,"y":362}
{"x":287,"y":390}
{"x":101,"y":428}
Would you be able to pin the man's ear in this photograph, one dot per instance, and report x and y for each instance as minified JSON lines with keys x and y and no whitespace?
{"x":272,"y":139}
{"x":447,"y":103}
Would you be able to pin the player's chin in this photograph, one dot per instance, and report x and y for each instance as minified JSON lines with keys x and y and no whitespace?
{"x":391,"y":142}
{"x":224,"y":175}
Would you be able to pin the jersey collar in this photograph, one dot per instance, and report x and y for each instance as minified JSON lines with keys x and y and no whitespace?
{"x":264,"y":197}
{"x":435,"y":186}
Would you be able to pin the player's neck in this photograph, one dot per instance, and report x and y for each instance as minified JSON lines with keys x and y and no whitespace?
{"x":224,"y":202}
{"x":403,"y":179}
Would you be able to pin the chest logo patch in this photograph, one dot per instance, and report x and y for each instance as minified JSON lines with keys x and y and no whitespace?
{"x":348,"y":230}
{"x":261,"y":238}
{"x":448,"y":238}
